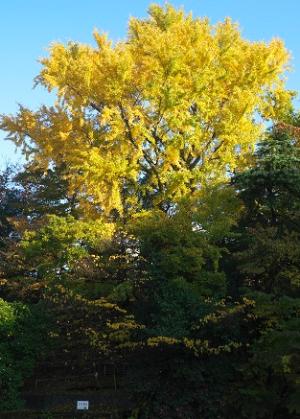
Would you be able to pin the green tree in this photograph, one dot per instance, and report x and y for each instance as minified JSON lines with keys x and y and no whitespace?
{"x":268,"y":255}
{"x":266,"y":267}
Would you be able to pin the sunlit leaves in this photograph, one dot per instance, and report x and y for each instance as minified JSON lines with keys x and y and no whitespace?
{"x":156,"y":115}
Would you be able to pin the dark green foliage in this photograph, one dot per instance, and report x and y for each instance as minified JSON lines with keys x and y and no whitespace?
{"x":174,"y":380}
{"x":23,"y":339}
{"x":271,"y":189}
{"x":269,"y":385}
{"x":176,"y":308}
{"x":200,"y":301}
{"x":267,"y":251}
{"x":45,"y":192}
{"x":271,"y":261}
{"x":266,"y":260}
{"x":171,"y":383}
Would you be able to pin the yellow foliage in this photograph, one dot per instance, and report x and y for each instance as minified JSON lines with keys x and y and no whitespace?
{"x":168,"y":108}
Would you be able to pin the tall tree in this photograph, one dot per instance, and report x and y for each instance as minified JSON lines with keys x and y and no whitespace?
{"x":150,"y":128}
{"x":155,"y":116}
{"x":268,"y":254}
{"x":267,"y":257}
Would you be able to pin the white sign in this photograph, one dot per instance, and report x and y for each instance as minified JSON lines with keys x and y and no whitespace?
{"x":82,"y":405}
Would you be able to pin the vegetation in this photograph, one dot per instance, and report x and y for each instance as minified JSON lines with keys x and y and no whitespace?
{"x":156,"y":224}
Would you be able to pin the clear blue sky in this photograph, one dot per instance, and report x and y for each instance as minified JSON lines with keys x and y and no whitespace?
{"x":28,"y":26}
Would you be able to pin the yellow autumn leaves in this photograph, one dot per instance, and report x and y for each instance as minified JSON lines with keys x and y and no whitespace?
{"x":171,"y":107}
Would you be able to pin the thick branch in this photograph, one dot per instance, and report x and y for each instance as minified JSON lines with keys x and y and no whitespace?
{"x":131,"y":139}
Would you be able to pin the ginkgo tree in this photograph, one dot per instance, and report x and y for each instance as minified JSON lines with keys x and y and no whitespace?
{"x":124,"y":230}
{"x":142,"y":122}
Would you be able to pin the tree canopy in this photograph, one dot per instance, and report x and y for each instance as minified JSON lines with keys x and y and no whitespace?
{"x":146,"y":120}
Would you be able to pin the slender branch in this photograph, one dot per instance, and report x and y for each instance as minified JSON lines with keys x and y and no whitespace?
{"x":91,"y":104}
{"x":128,"y":128}
{"x":197,"y":159}
{"x":95,"y":107}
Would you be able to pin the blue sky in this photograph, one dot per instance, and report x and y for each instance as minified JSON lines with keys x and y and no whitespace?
{"x":28,"y":27}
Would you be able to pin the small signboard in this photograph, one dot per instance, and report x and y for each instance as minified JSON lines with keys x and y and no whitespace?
{"x":82,"y":405}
